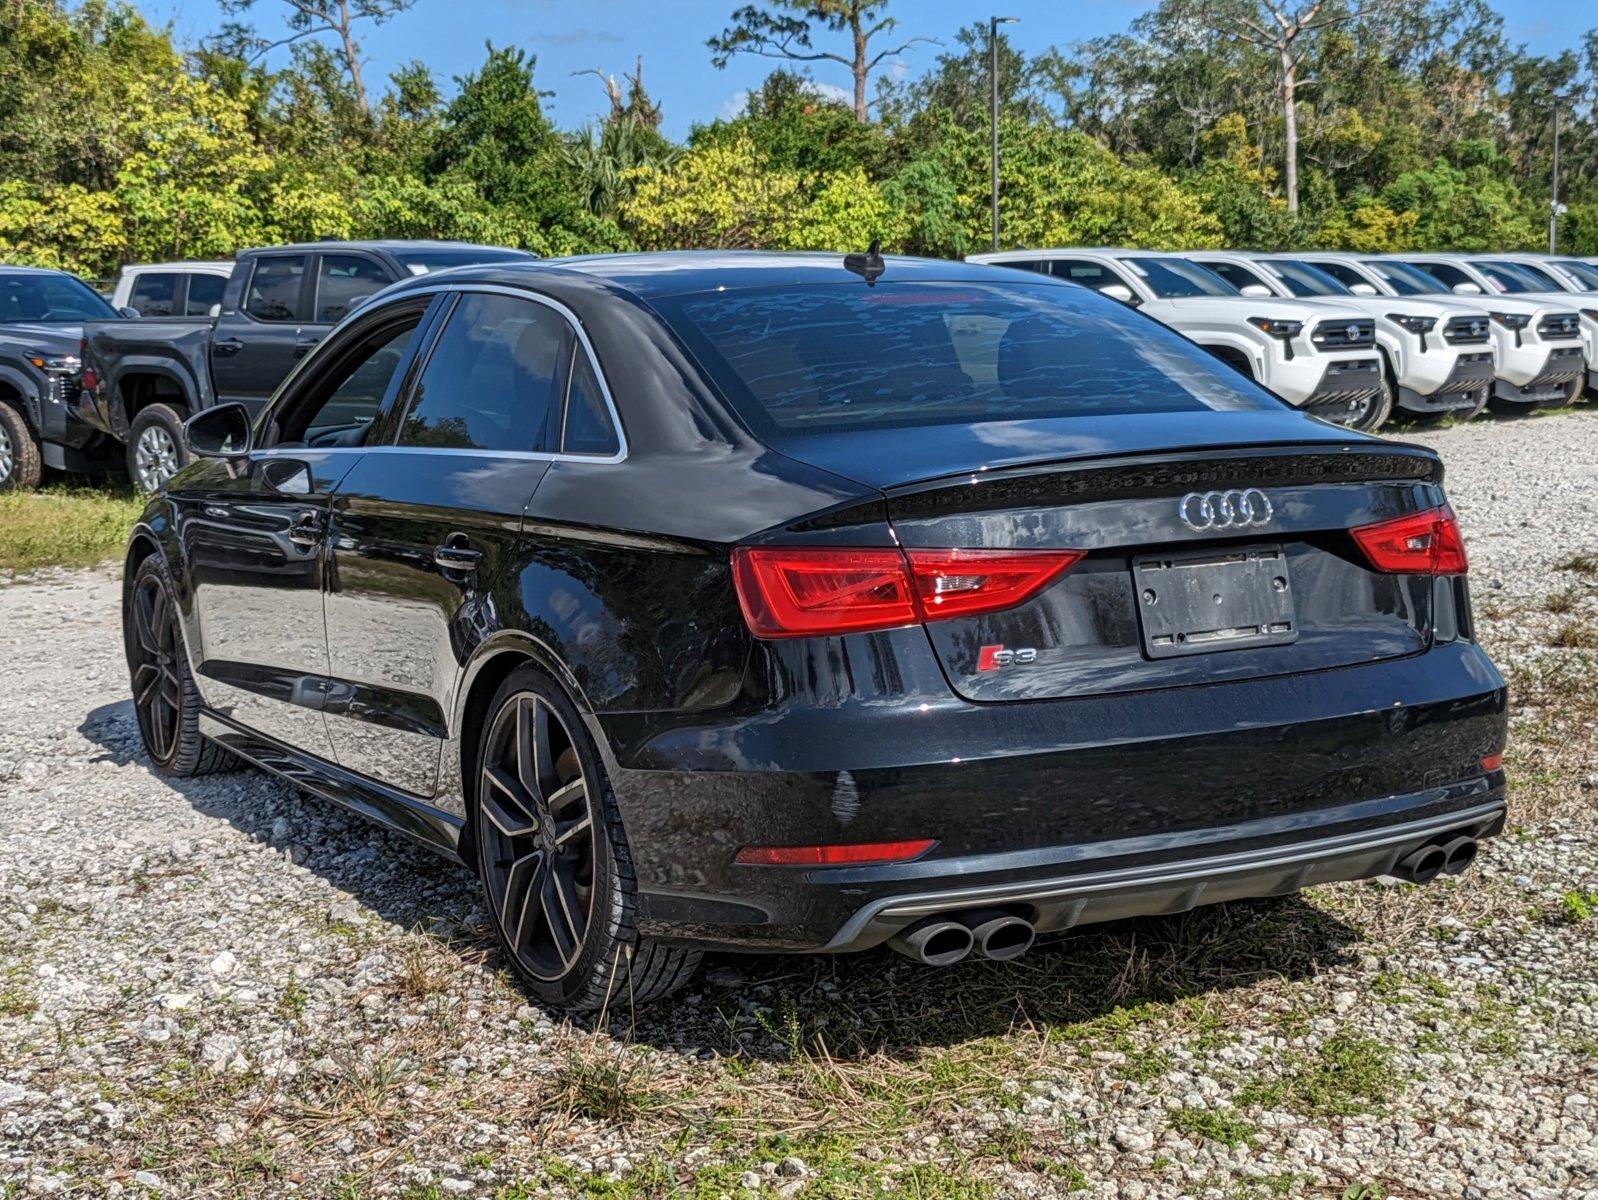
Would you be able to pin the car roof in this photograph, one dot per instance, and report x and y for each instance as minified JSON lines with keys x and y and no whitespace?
{"x":387,"y":245}
{"x":678,"y":272}
{"x":8,"y":269}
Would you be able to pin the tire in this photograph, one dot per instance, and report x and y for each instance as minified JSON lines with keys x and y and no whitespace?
{"x":1573,"y":392}
{"x":1461,"y":415}
{"x":1381,"y":405}
{"x":550,"y":844}
{"x":156,"y":451}
{"x":165,"y":700}
{"x":20,"y":465}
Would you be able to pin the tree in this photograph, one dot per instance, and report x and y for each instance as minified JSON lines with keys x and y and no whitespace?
{"x":783,"y":29}
{"x":1285,"y":29}
{"x":308,"y":19}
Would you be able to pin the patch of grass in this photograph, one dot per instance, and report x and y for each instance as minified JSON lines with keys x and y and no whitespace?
{"x":1216,"y":1125}
{"x":1575,"y":635}
{"x":1583,"y":563}
{"x":64,"y":526}
{"x":1562,"y":602}
{"x":1348,"y":1075}
{"x":606,"y":1086}
{"x":291,"y":1004}
{"x":421,"y":974}
{"x":1576,"y":907}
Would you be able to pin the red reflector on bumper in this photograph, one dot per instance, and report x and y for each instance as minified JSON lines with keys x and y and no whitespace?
{"x":1492,"y":762}
{"x":833,"y":856}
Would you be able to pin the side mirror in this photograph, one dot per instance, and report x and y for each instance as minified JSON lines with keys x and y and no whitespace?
{"x":1362,"y":289}
{"x":129,"y":312}
{"x":1257,"y":290}
{"x":1119,"y":291}
{"x":220,"y":432}
{"x":214,"y":311}
{"x":1467,"y":289}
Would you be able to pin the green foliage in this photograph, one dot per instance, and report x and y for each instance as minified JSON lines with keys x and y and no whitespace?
{"x":1422,"y":129}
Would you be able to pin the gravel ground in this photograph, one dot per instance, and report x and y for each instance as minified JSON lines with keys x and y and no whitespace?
{"x":226,"y":987}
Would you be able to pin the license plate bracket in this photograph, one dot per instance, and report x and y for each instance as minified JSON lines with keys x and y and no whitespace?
{"x":1200,"y":602}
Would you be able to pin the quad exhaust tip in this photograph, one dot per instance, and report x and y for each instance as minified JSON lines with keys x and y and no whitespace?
{"x":944,"y":941}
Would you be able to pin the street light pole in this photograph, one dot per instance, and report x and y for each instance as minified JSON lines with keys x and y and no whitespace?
{"x":993,"y":116}
{"x":1553,"y":189}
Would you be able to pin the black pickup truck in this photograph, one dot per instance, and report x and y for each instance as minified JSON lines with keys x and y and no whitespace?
{"x":41,"y":325}
{"x":143,"y":378}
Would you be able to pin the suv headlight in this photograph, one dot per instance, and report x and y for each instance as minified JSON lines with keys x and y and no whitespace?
{"x":1420,"y":326}
{"x":56,"y":364}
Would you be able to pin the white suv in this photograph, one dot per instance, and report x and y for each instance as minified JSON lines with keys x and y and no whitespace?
{"x":1435,"y":359}
{"x":1318,"y":357}
{"x":178,"y":289}
{"x":1541,"y":362}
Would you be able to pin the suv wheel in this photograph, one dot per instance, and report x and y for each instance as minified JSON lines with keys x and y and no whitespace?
{"x":553,"y":858}
{"x":1379,"y":407}
{"x":155,"y":447}
{"x":20,"y":468}
{"x":165,"y":699}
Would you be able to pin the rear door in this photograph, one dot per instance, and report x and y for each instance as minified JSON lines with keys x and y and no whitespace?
{"x":155,"y":293}
{"x":426,"y":527}
{"x":256,"y":344}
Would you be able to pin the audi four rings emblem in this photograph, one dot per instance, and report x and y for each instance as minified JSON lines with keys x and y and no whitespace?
{"x":1210,"y":511}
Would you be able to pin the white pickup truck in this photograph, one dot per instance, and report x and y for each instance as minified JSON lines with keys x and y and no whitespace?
{"x":1565,"y":280}
{"x":1436,"y":360}
{"x":1317,"y":356}
{"x":1541,"y":361}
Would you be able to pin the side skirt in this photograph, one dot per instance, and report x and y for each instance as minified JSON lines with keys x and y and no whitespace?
{"x":389,"y":807}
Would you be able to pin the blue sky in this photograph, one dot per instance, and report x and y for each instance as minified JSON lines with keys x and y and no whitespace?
{"x":449,"y":34}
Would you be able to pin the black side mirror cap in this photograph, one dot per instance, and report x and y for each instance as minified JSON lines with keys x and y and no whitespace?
{"x":220,"y":432}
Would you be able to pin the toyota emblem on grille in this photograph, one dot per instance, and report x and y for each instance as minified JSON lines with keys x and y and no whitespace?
{"x":1209,"y":512}
{"x":1351,"y":332}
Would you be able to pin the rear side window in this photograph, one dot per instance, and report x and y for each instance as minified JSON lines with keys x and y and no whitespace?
{"x":834,"y":357}
{"x":588,"y":429}
{"x":154,"y":294}
{"x":491,"y":378}
{"x":205,"y":292}
{"x":341,"y":280}
{"x":275,"y":288}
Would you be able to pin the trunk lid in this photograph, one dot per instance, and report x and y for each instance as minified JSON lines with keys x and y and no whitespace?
{"x":1201,"y":566}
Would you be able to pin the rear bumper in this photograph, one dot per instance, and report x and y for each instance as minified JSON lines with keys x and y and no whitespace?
{"x":1066,"y":900}
{"x":1040,"y":797}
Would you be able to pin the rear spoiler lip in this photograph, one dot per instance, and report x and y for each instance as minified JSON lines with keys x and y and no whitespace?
{"x":1197,"y":456}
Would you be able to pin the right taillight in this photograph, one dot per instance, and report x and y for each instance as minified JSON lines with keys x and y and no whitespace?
{"x":1423,"y":543}
{"x":814,"y":591}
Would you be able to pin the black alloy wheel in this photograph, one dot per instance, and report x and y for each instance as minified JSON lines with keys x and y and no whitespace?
{"x":537,"y":836}
{"x":553,"y":859}
{"x":165,"y":700}
{"x":157,"y":691}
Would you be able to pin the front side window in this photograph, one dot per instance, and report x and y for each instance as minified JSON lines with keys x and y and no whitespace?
{"x":491,"y":379}
{"x":205,"y":293}
{"x":1447,"y":274}
{"x":1517,"y":278}
{"x":343,"y":279}
{"x":1342,"y":272}
{"x":275,"y":288}
{"x":826,"y":358}
{"x":1086,"y":274}
{"x":1585,"y":274}
{"x":341,"y":409}
{"x":154,"y":294}
{"x":1237,"y":275}
{"x":47,"y":299}
{"x":1173,"y":279}
{"x":1304,"y":280}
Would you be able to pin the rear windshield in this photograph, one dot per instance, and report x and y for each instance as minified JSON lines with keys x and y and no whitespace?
{"x":420,"y":262}
{"x":817,"y":358}
{"x":49,"y":299}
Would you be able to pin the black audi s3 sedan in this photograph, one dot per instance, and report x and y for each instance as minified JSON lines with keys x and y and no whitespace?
{"x":760,"y":602}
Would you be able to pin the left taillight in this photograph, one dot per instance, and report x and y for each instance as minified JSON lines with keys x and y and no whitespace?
{"x":1423,"y":543}
{"x":814,"y":591}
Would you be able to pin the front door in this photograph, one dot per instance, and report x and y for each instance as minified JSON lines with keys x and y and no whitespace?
{"x":425,"y":533}
{"x":256,"y":535}
{"x":255,"y":346}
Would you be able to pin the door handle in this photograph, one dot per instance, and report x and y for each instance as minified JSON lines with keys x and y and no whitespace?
{"x":226,"y":347}
{"x":303,"y":346}
{"x":306,"y":530}
{"x":455,"y":555}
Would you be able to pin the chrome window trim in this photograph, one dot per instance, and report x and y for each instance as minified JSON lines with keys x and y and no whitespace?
{"x":581,"y":337}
